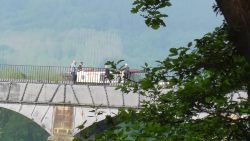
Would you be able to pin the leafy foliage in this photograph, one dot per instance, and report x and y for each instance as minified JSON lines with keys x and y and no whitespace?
{"x":205,"y":77}
{"x":150,"y":10}
{"x":14,"y":127}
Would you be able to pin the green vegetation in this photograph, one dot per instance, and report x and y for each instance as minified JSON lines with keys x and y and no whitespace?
{"x":9,"y":73}
{"x":14,"y":127}
{"x":150,"y":10}
{"x":203,"y":76}
{"x":33,"y":73}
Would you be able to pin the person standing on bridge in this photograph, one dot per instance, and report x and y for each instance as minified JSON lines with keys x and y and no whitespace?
{"x":80,"y":67}
{"x":126,"y":74}
{"x":73,"y":71}
{"x":107,"y":74}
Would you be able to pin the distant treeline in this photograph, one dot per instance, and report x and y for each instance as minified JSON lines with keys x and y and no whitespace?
{"x":15,"y":127}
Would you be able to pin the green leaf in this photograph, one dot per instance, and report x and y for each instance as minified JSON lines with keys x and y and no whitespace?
{"x":173,"y":51}
{"x":189,"y":44}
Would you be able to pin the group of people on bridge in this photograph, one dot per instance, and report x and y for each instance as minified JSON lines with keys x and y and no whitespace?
{"x":105,"y":73}
{"x":74,"y":69}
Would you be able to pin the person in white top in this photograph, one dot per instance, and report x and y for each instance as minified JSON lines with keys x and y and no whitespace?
{"x":73,"y":71}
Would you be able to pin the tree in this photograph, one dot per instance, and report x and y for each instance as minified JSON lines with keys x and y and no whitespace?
{"x":237,"y":15}
{"x":204,"y":77}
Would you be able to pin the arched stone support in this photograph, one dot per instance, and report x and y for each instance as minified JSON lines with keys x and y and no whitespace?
{"x":60,"y":109}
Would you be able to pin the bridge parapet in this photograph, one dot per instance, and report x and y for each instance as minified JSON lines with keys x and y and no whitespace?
{"x":67,"y":95}
{"x":60,"y":75}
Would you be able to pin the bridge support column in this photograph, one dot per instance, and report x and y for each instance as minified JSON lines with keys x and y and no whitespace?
{"x":63,"y":124}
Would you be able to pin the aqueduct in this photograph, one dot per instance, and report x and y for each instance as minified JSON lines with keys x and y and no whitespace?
{"x":55,"y":104}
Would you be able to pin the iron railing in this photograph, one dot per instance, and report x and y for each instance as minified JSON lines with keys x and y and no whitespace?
{"x":61,"y":75}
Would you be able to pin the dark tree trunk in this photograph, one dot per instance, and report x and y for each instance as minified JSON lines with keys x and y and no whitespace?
{"x":237,"y":15}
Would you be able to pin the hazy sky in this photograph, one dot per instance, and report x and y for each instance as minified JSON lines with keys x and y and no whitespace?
{"x":54,"y":32}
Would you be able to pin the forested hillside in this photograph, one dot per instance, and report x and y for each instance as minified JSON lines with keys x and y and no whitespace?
{"x":15,"y":127}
